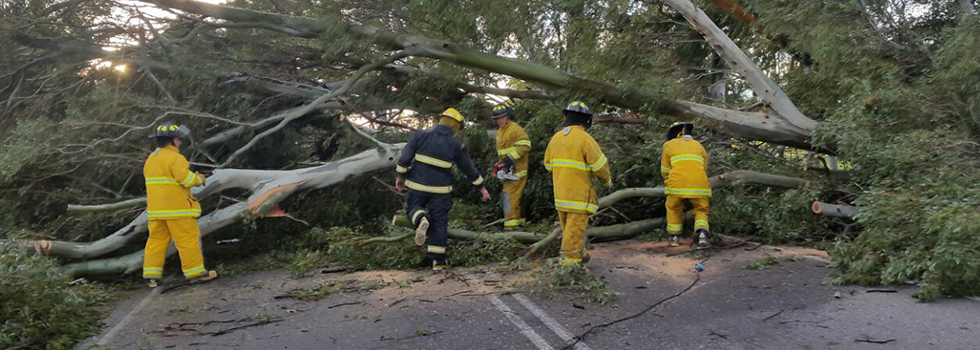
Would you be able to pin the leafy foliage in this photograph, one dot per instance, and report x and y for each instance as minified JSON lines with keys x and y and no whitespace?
{"x":38,"y":309}
{"x":569,"y":282}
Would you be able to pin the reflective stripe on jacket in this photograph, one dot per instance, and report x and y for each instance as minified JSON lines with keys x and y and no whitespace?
{"x":513,"y":141}
{"x":683,"y":164}
{"x":573,"y":158}
{"x":428,"y":158}
{"x":168,"y":185}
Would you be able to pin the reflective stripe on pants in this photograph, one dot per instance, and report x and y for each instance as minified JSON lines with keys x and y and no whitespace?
{"x":186,"y":236}
{"x":435,"y":208}
{"x":573,"y":227}
{"x":675,"y":213}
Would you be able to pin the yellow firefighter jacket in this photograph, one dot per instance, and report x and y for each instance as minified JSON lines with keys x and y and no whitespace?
{"x":513,"y":141}
{"x":168,"y":185}
{"x":683,"y":165}
{"x":573,"y":157}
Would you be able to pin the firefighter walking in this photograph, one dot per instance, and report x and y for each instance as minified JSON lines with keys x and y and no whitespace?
{"x":513,"y":147}
{"x":683,"y":165}
{"x":573,"y":157}
{"x":425,"y":168}
{"x":171,"y":208}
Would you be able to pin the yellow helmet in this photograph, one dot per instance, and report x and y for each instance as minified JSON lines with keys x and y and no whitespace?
{"x":453,"y":113}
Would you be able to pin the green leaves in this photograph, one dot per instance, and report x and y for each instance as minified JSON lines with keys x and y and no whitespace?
{"x":38,"y":308}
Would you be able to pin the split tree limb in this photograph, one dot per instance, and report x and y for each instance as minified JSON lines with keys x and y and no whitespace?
{"x":764,"y":87}
{"x":834,"y":210}
{"x":260,"y":183}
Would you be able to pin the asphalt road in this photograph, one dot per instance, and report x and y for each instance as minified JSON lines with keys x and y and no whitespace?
{"x":784,"y":306}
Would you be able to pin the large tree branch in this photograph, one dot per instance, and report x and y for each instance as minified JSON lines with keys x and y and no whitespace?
{"x":764,"y":87}
{"x":720,"y":181}
{"x":85,"y":49}
{"x":267,"y":187}
{"x":549,"y":77}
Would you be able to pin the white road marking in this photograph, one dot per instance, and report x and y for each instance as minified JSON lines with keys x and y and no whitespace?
{"x":556,"y":327}
{"x":517,"y":321}
{"x":129,"y":317}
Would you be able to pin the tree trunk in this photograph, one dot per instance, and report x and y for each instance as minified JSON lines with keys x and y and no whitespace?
{"x":720,"y":181}
{"x":834,"y":210}
{"x":748,"y":125}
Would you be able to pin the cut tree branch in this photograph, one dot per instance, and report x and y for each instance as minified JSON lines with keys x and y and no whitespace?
{"x":834,"y":210}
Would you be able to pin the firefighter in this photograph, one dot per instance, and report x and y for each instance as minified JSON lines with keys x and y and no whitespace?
{"x":683,"y":166}
{"x":425,"y":168}
{"x":171,"y":208}
{"x":513,"y":147}
{"x":573,"y":158}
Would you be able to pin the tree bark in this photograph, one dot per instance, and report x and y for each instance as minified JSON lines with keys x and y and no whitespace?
{"x":834,"y":210}
{"x":720,"y":181}
{"x":596,"y":234}
{"x":748,"y":125}
{"x":764,"y":87}
{"x":267,"y":187}
{"x":107,"y":207}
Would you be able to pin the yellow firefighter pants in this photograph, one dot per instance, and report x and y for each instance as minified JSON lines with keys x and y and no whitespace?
{"x":187,"y":238}
{"x":675,"y":213}
{"x":573,"y":227}
{"x":511,"y":198}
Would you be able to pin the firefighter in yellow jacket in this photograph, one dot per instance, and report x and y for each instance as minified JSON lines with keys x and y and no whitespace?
{"x":683,"y":166}
{"x":172,"y":210}
{"x":513,"y":146}
{"x":573,"y":158}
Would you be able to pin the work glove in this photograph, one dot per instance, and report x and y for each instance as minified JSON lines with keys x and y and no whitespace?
{"x":485,"y":195}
